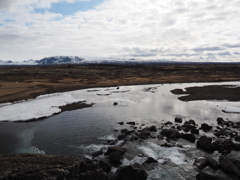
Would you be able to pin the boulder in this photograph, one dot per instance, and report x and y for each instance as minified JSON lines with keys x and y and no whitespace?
{"x":116,"y":157}
{"x":189,"y":124}
{"x":114,"y":149}
{"x":188,"y":137}
{"x":205,"y":143}
{"x":206,"y":176}
{"x":178,"y":120}
{"x":205,"y":127}
{"x":220,"y":121}
{"x":150,"y":160}
{"x":132,"y":172}
{"x":115,"y":103}
{"x":104,"y":166}
{"x":228,"y":167}
{"x":201,"y":162}
{"x":170,"y":133}
{"x":131,"y":123}
{"x":194,"y":131}
{"x":153,"y":129}
{"x":121,"y":123}
{"x":212,"y":163}
{"x":95,"y":154}
{"x":237,"y":138}
{"x":168,"y":123}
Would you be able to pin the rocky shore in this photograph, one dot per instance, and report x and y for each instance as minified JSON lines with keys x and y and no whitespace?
{"x":222,"y":140}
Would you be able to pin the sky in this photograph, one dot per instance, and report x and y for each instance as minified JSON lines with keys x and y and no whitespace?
{"x":176,"y":30}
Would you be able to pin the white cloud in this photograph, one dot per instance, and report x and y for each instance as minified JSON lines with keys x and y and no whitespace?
{"x":180,"y":30}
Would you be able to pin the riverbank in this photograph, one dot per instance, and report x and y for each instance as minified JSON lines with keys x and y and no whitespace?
{"x":25,"y":82}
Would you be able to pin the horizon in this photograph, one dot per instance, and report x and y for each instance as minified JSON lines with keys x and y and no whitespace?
{"x":189,"y":31}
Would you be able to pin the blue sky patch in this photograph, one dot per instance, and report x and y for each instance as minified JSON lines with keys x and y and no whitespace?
{"x":71,"y":8}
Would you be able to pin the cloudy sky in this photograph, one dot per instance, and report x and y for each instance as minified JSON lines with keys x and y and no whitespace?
{"x":189,"y":30}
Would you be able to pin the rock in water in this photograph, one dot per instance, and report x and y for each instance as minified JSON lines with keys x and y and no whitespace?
{"x":205,"y":176}
{"x":132,"y":172}
{"x":205,"y":143}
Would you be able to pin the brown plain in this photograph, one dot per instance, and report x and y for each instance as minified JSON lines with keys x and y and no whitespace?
{"x":24,"y":82}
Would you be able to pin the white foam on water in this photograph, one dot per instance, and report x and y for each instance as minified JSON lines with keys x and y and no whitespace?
{"x":108,"y":137}
{"x":157,"y":152}
{"x":41,"y":106}
{"x":92,"y":148}
{"x":35,"y":150}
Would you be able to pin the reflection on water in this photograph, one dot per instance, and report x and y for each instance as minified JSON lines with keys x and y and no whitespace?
{"x":81,"y":132}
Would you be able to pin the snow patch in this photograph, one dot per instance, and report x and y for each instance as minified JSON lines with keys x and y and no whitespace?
{"x":42,"y":106}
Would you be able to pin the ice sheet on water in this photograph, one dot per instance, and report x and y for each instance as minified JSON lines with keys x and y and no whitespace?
{"x":42,"y":106}
{"x":159,"y":153}
{"x":232,"y":109}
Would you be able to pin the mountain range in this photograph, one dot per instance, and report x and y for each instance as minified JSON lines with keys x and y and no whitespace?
{"x":47,"y":61}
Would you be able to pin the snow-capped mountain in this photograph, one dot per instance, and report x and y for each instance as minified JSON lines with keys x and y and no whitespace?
{"x":47,"y":61}
{"x":60,"y":60}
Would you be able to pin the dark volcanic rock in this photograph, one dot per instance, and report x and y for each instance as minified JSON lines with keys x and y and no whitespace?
{"x":151,"y":160}
{"x":205,"y":127}
{"x":115,"y":148}
{"x":206,"y":176}
{"x":153,"y":128}
{"x":205,"y":143}
{"x":133,"y":172}
{"x":131,"y":123}
{"x":170,"y":133}
{"x":237,"y":138}
{"x":97,"y":153}
{"x":188,"y":137}
{"x":121,"y":123}
{"x":228,"y":167}
{"x":178,"y":120}
{"x":194,"y":131}
{"x":116,"y":157}
{"x":104,"y":166}
{"x":201,"y":162}
{"x":38,"y":167}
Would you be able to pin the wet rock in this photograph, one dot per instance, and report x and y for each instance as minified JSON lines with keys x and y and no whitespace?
{"x":125,"y":131}
{"x":115,"y":103}
{"x":146,"y":131}
{"x":121,"y":137}
{"x":220,"y":121}
{"x":114,"y":149}
{"x":170,"y":133}
{"x":112,"y":142}
{"x":205,"y":127}
{"x":189,"y":124}
{"x":206,"y":176}
{"x":221,"y":132}
{"x":237,"y":138}
{"x":225,"y":146}
{"x":98,"y":153}
{"x":153,"y":129}
{"x":185,"y":129}
{"x":168,"y":123}
{"x":233,"y":134}
{"x":121,"y":123}
{"x":205,"y":143}
{"x":212,"y":162}
{"x":228,"y":167}
{"x":131,"y":123}
{"x":178,"y":120}
{"x":104,"y":166}
{"x":132,"y":172}
{"x":160,"y":137}
{"x":188,"y":137}
{"x":201,"y":162}
{"x":194,"y":131}
{"x":150,"y":160}
{"x":116,"y":157}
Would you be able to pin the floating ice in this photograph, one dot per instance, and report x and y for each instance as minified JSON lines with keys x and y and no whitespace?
{"x":106,"y":93}
{"x":232,"y":109}
{"x":42,"y":106}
